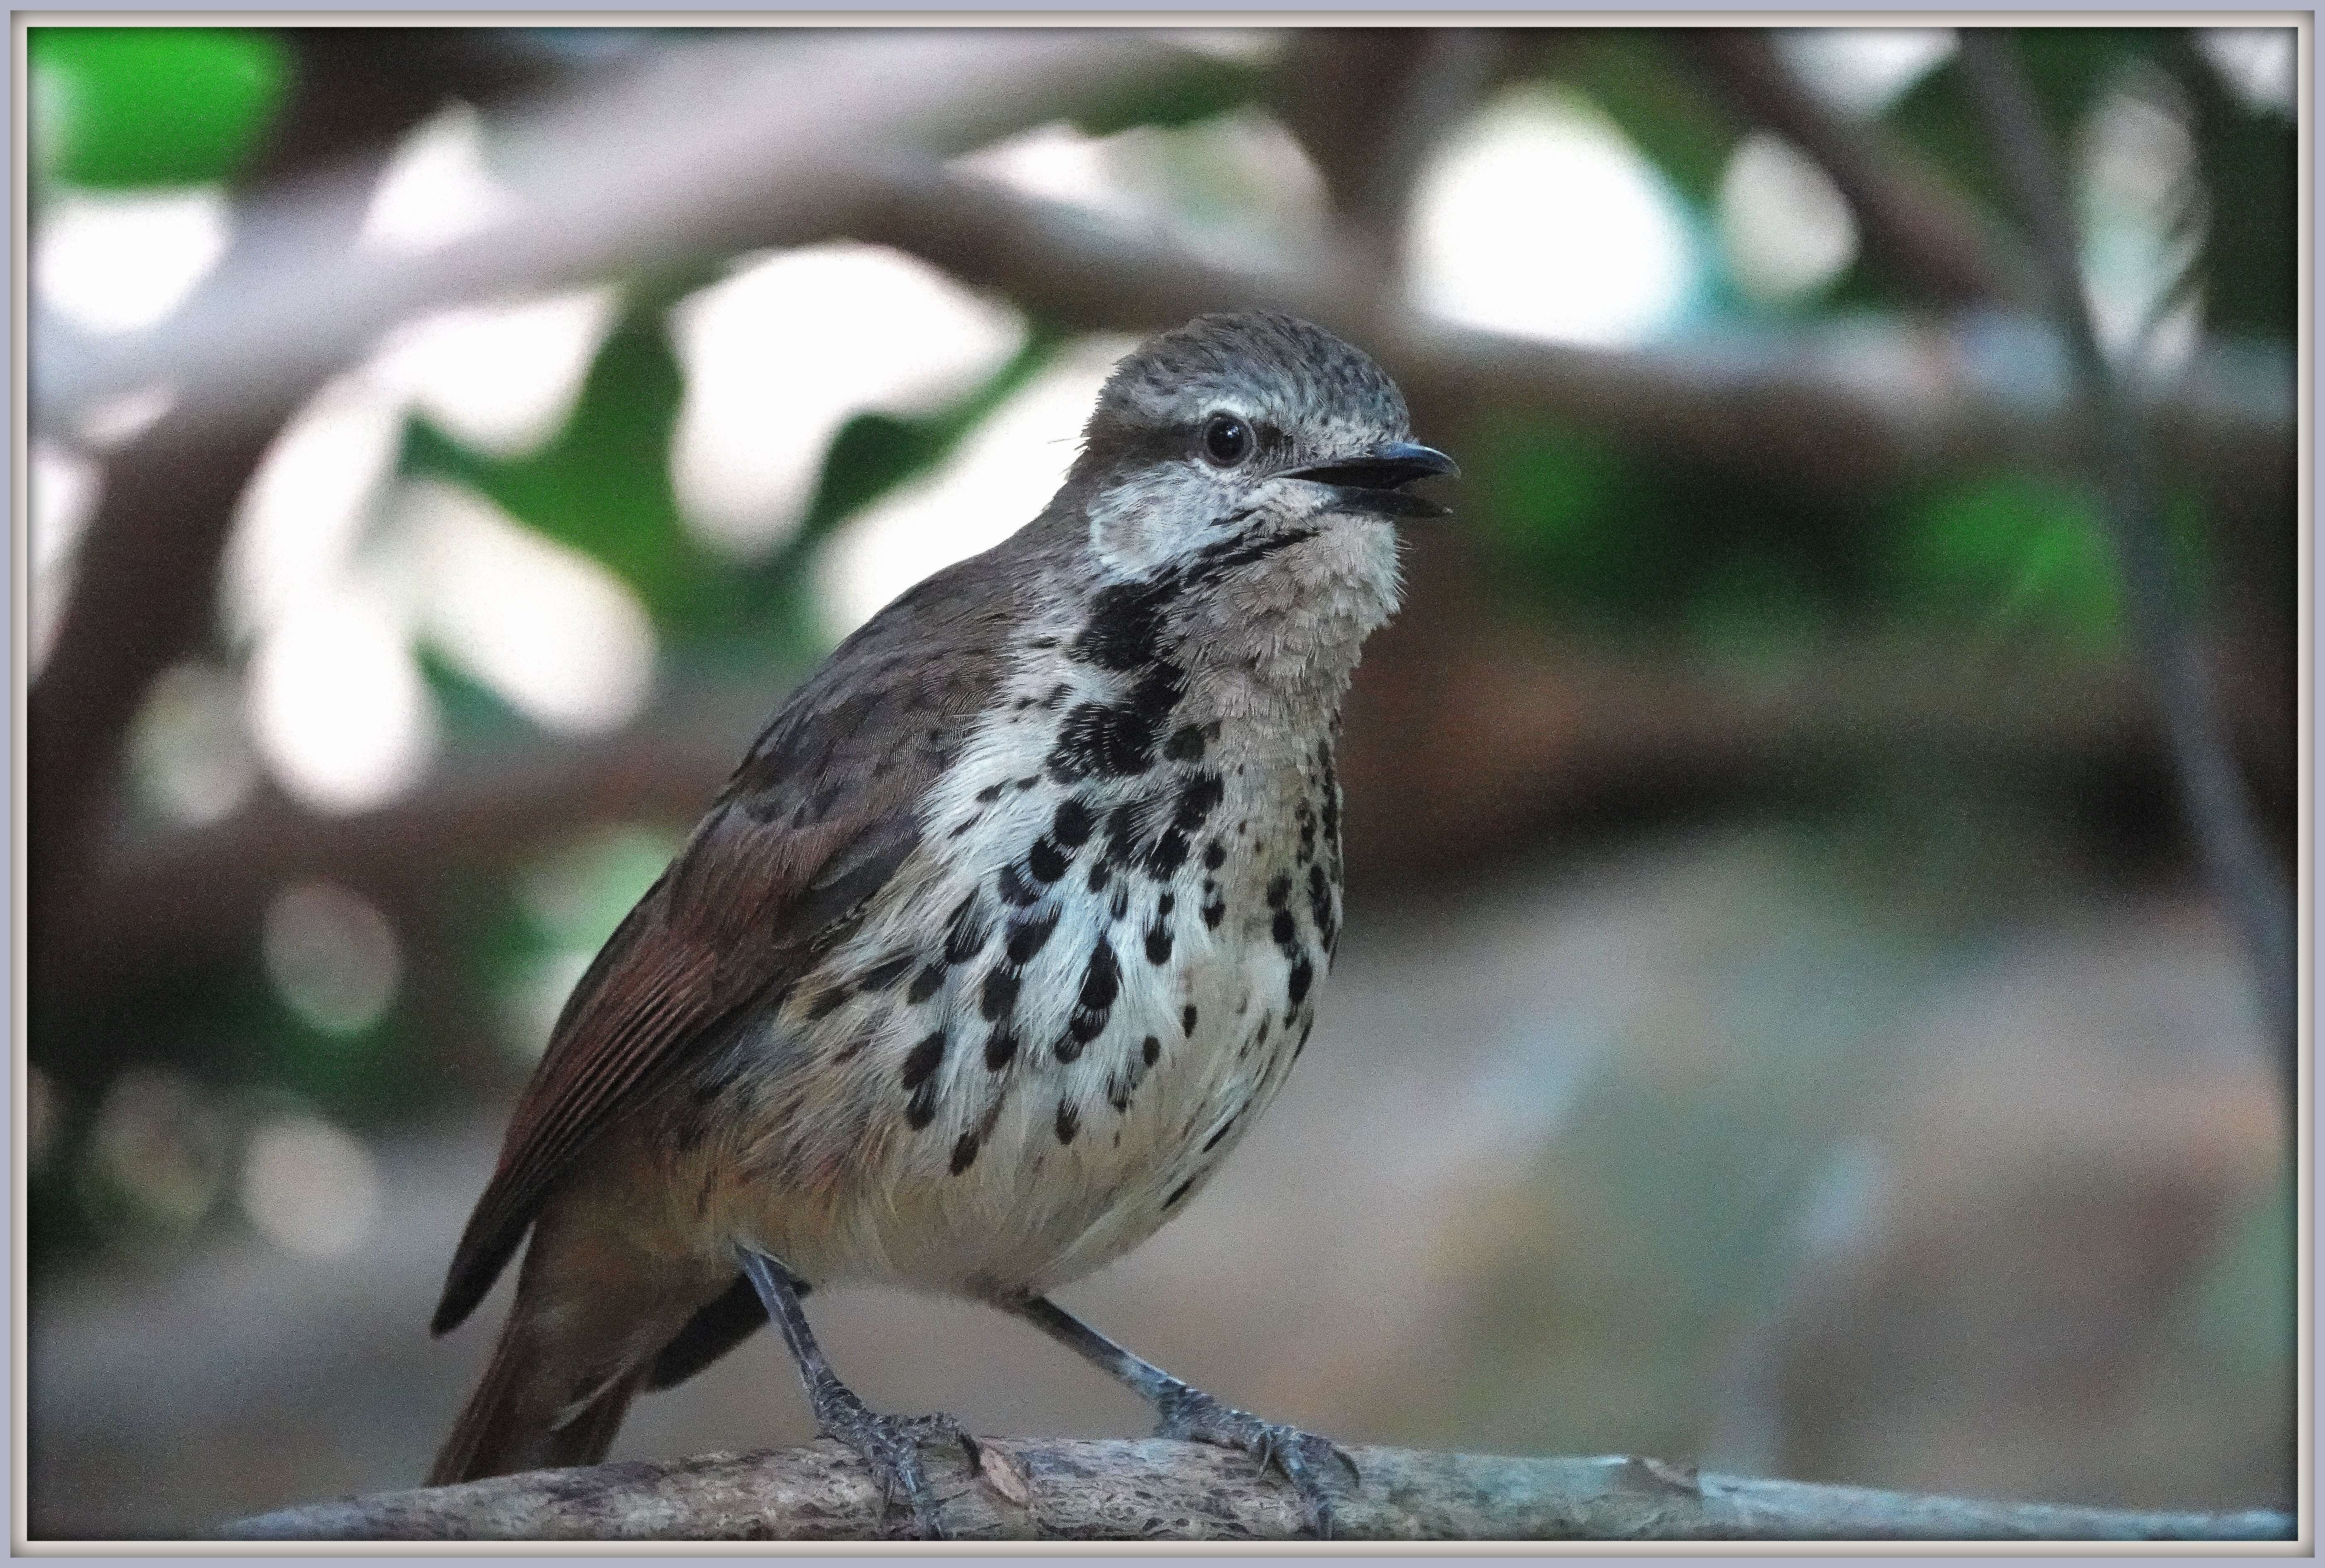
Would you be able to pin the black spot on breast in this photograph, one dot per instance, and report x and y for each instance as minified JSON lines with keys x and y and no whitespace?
{"x":1029,"y":781}
{"x":1101,"y":982}
{"x":827,"y":1003}
{"x":1278,"y":890}
{"x":1306,"y":1029}
{"x":1013,"y":887}
{"x":1027,"y":936}
{"x":1117,"y":1094}
{"x":1304,"y":974}
{"x":1285,"y":932}
{"x":1117,"y":740}
{"x":925,"y":984}
{"x":1198,"y":799}
{"x":1226,"y":1128}
{"x":1000,"y":1046}
{"x":1165,"y":904}
{"x":1073,"y":825}
{"x":1120,"y":904}
{"x":964,"y":1153}
{"x":1100,"y":873}
{"x":1215,"y":909}
{"x":989,"y":794}
{"x":923,"y":1059}
{"x":885,"y":973}
{"x":966,"y":932}
{"x":1187,"y":1020}
{"x":1152,"y":1049}
{"x":1045,"y":860}
{"x":1167,"y":854}
{"x":1215,"y":855}
{"x":1124,"y":630}
{"x":1260,"y":1038}
{"x":1319,"y":905}
{"x":922,"y":1109}
{"x":1178,"y":1191}
{"x":1185,"y":745}
{"x":1158,"y":944}
{"x":1069,"y":1121}
{"x":999,"y":995}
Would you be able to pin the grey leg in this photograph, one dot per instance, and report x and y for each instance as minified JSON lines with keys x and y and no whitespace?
{"x":1186,"y":1412}
{"x":889,"y":1444}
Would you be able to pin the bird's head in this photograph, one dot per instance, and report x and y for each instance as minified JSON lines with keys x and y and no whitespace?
{"x":1244,"y":425}
{"x":1255,"y":466}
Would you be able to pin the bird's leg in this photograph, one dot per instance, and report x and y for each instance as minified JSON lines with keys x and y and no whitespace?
{"x":889,"y":1444}
{"x":1185,"y":1412}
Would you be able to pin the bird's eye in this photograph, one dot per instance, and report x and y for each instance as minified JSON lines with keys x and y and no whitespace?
{"x":1227,"y":440}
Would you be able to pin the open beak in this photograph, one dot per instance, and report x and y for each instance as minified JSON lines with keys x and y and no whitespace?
{"x":1377,"y":479}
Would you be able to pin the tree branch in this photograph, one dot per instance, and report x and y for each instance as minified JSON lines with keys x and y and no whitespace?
{"x":2218,"y":807}
{"x":1924,"y":232}
{"x":1851,"y":405}
{"x":1157,"y":1489}
{"x":1481,"y":742}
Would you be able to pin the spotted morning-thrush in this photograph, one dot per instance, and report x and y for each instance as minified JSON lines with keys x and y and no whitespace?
{"x":1006,"y":930}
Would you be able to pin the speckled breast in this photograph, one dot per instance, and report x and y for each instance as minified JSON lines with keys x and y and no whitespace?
{"x":1070,"y":1003}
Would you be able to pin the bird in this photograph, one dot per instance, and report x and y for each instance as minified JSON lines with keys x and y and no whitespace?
{"x":1004,"y":931}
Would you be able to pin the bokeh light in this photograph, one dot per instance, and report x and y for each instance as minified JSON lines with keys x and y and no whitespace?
{"x":331,"y":956}
{"x":310,"y":1187}
{"x":1597,"y":252}
{"x":116,"y":262}
{"x":999,"y":481}
{"x":1785,"y":228}
{"x":790,"y":346}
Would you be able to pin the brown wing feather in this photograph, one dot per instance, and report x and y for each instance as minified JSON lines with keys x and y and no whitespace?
{"x":817,"y":817}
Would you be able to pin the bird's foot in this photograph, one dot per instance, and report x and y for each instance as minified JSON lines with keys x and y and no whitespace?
{"x":890,"y":1445}
{"x":1300,"y":1457}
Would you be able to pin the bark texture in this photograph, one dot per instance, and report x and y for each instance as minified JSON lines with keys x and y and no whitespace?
{"x":1160,"y":1490}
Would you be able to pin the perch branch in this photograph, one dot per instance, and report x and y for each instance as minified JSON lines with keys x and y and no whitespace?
{"x":1163,"y":1490}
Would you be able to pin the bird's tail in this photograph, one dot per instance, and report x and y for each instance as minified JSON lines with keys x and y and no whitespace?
{"x":534,"y":1409}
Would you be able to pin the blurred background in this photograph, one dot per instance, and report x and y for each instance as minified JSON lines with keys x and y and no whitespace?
{"x":1785,"y":1023}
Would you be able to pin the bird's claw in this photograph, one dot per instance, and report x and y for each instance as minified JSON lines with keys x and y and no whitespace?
{"x":889,"y":1447}
{"x":1300,"y":1456}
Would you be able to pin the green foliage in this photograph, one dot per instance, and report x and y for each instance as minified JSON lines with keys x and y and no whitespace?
{"x":1628,"y":545}
{"x":1189,"y":89}
{"x":129,"y":107}
{"x":2249,"y":163}
{"x":1659,"y":103}
{"x":2015,"y":549}
{"x":2012,"y":549}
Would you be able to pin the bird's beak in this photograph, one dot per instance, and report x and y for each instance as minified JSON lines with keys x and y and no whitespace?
{"x":1379,"y":477}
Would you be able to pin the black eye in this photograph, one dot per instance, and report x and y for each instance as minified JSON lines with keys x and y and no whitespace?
{"x":1227,"y":440}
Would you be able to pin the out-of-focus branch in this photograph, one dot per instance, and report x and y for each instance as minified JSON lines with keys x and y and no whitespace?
{"x":1915,"y":225}
{"x":1159,"y":1490}
{"x":706,"y":149}
{"x":1480,"y":745}
{"x":1368,"y":103}
{"x":148,"y":568}
{"x":1850,"y":405}
{"x":755,"y":132}
{"x":2218,"y":807}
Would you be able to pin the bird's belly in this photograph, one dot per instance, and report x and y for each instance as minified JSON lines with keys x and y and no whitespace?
{"x":1054,"y":1030}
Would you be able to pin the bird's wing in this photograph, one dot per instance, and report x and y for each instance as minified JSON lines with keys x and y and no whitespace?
{"x":815,"y":820}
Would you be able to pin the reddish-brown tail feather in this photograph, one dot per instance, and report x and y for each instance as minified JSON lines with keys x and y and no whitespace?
{"x":511,"y":1421}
